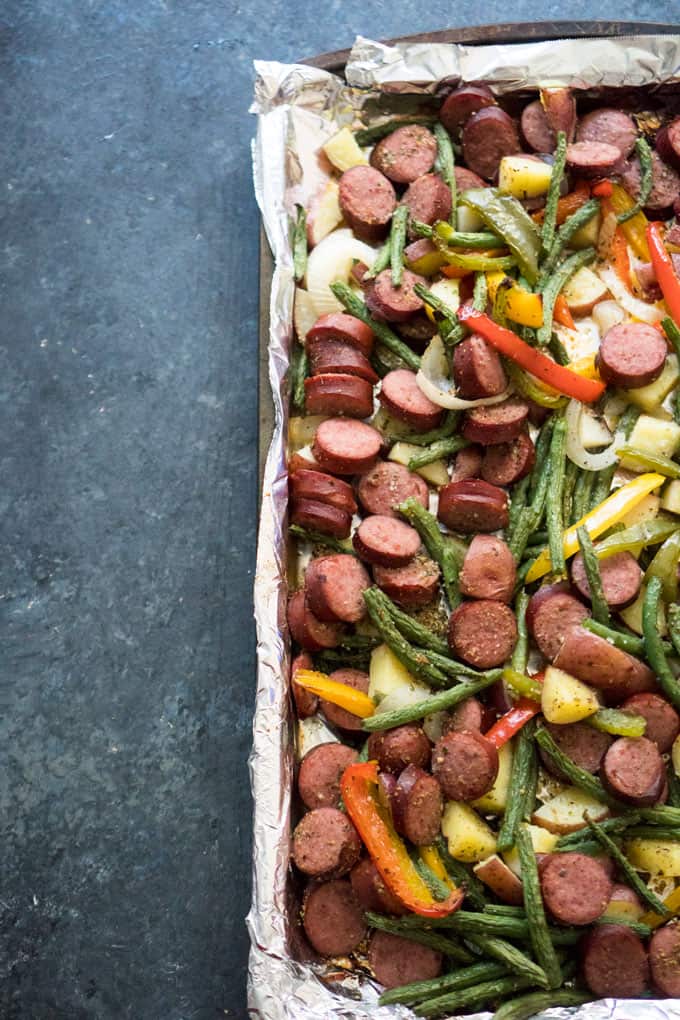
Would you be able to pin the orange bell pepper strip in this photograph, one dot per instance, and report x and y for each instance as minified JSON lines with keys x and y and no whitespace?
{"x":456,"y":272}
{"x":602,"y":189}
{"x":568,"y":204}
{"x":562,"y":312}
{"x":634,"y":229}
{"x":665,"y":273}
{"x":531,"y":359}
{"x":512,"y":722}
{"x":337,"y":693}
{"x":620,"y":258}
{"x":358,"y":787}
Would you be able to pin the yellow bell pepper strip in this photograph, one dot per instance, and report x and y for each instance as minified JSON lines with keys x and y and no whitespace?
{"x":600,"y":519}
{"x":635,"y":228}
{"x":358,"y":788}
{"x":337,"y":693}
{"x":531,"y":359}
{"x":526,"y":308}
{"x":429,"y":855}
{"x":671,"y":903}
{"x":665,"y":273}
{"x":587,"y":367}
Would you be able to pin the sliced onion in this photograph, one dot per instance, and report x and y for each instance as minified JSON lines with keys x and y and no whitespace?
{"x":607,"y":314}
{"x":576,"y":451}
{"x":332,"y":260}
{"x":433,"y":380}
{"x":638,"y":309}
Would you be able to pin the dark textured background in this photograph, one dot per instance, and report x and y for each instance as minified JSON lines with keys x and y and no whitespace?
{"x":128,"y":289}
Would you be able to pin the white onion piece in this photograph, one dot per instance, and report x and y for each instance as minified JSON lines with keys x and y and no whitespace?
{"x":404,"y":696}
{"x":332,"y":260}
{"x":638,"y":309}
{"x":577,"y":453}
{"x":432,"y":378}
{"x":607,"y":314}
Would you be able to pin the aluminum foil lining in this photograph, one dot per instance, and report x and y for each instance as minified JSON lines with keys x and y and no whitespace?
{"x":298,"y":105}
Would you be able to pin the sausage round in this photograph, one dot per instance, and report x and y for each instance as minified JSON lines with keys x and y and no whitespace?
{"x":576,"y":888}
{"x":663,"y":722}
{"x":615,"y":962}
{"x":306,"y":703}
{"x":597,"y":662}
{"x":310,"y":513}
{"x":664,"y":959}
{"x":428,"y":200}
{"x":483,"y":633}
{"x":418,"y":330}
{"x":472,"y":506}
{"x":585,"y":745}
{"x":496,"y":423}
{"x":335,"y":393}
{"x":308,"y":484}
{"x":340,"y":717}
{"x":488,"y":570}
{"x":386,"y":541}
{"x":614,"y":127}
{"x":307,"y":629}
{"x":536,"y":129}
{"x":417,"y":806}
{"x":478,"y":369}
{"x":631,"y":354}
{"x":411,"y":586}
{"x":621,"y":579}
{"x":592,"y":158}
{"x":335,"y":588}
{"x":394,"y":304}
{"x":668,"y":142}
{"x":462,"y":103}
{"x":471,"y":714}
{"x":325,"y":843}
{"x":338,"y":357}
{"x":367,"y":200}
{"x":320,"y":773}
{"x":665,"y":183}
{"x":371,"y":891}
{"x":467,"y":179}
{"x":387,"y":485}
{"x":468,"y":464}
{"x":488,"y":135}
{"x":505,"y":463}
{"x":344,"y":328}
{"x":551,"y":613}
{"x":333,"y":919}
{"x":404,"y":399}
{"x":405,"y":154}
{"x":346,"y":447}
{"x":396,"y":961}
{"x":465,"y":763}
{"x":397,"y":748}
{"x":633,"y":771}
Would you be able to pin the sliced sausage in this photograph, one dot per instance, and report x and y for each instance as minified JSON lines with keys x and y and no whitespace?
{"x":478,"y":369}
{"x":389,"y":484}
{"x":551,"y":613}
{"x":483,"y":633}
{"x":536,"y":129}
{"x":358,"y":272}
{"x":472,"y":506}
{"x":466,"y":179}
{"x":621,"y":579}
{"x":386,"y":541}
{"x":418,"y":330}
{"x":505,"y":463}
{"x":488,"y":570}
{"x":597,"y":662}
{"x":307,"y":629}
{"x":335,"y":588}
{"x":403,"y":398}
{"x":411,"y":586}
{"x":344,"y":328}
{"x":310,"y":513}
{"x":633,"y":771}
{"x":371,"y":891}
{"x":631,"y":354}
{"x":592,"y":159}
{"x":394,"y":304}
{"x":325,"y":843}
{"x":582,"y":743}
{"x":665,"y":183}
{"x":308,"y":484}
{"x":468,"y":463}
{"x":405,"y":154}
{"x":496,"y":423}
{"x":471,"y":714}
{"x":465,"y":763}
{"x":614,"y":127}
{"x":333,"y":919}
{"x":615,"y":962}
{"x":663,"y":722}
{"x":320,"y":773}
{"x":337,"y":356}
{"x":367,"y":201}
{"x":346,"y":447}
{"x":306,"y":703}
{"x":334,"y":393}
{"x":428,"y":200}
{"x":664,"y":958}
{"x":396,"y":961}
{"x":397,"y":748}
{"x":462,"y":103}
{"x":576,"y":888}
{"x":503,"y":882}
{"x":417,"y":806}
{"x":340,"y":717}
{"x":488,"y":135}
{"x":668,"y":143}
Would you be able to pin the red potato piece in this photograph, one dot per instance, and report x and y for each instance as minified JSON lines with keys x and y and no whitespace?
{"x":576,"y":888}
{"x":585,"y":745}
{"x":496,"y":423}
{"x":397,"y":748}
{"x":503,"y":882}
{"x":396,"y":961}
{"x":471,"y":714}
{"x":394,"y":304}
{"x":633,"y":771}
{"x":465,"y":763}
{"x":337,"y":356}
{"x":472,"y":506}
{"x":389,"y":484}
{"x":325,"y":843}
{"x":335,"y":588}
{"x":560,"y":109}
{"x":664,"y":959}
{"x":615,"y":962}
{"x":403,"y":398}
{"x":428,"y":200}
{"x":309,"y":484}
{"x":488,"y":570}
{"x":613,"y":127}
{"x":320,"y":773}
{"x":621,"y":579}
{"x":663,"y":722}
{"x":333,"y":919}
{"x":344,"y":328}
{"x":306,"y":628}
{"x":551,"y":613}
{"x":367,"y":200}
{"x":346,"y":447}
{"x":385,"y":541}
{"x":405,"y":154}
{"x":371,"y":891}
{"x":317,"y":516}
{"x":340,"y":717}
{"x":460,"y":104}
{"x":631,"y":354}
{"x":597,"y":662}
{"x":478,"y":369}
{"x":411,"y":586}
{"x":488,"y":135}
{"x":592,"y":159}
{"x":505,"y":463}
{"x":468,"y":464}
{"x":536,"y":129}
{"x":334,"y":393}
{"x":306,"y":703}
{"x":417,"y":806}
{"x":483,"y":633}
{"x":668,"y":143}
{"x":665,"y":183}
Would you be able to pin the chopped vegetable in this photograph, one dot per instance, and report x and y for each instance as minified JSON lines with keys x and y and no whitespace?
{"x":665,"y":273}
{"x":553,"y":503}
{"x":539,"y":934}
{"x":355,"y":306}
{"x":550,"y":215}
{"x":505,"y":216}
{"x":445,"y":162}
{"x":397,"y":242}
{"x":554,"y":284}
{"x":653,"y":646}
{"x":645,"y":156}
{"x":337,"y":693}
{"x":598,"y":602}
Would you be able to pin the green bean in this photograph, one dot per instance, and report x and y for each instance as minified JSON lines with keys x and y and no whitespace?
{"x":523,"y":786}
{"x":636,"y":538}
{"x":613,"y":826}
{"x":478,"y":239}
{"x":410,"y":627}
{"x":438,"y":887}
{"x":434,"y":940}
{"x":397,"y":242}
{"x":550,"y":218}
{"x":617,"y":722}
{"x":418,"y":991}
{"x":334,"y":658}
{"x":505,"y":910}
{"x":626,"y":642}
{"x":475,"y":891}
{"x":474,"y":925}
{"x":673,"y":335}
{"x":355,"y":306}
{"x":626,"y":868}
{"x":542,"y":449}
{"x":557,"y":349}
{"x":372,"y":134}
{"x":442,"y":448}
{"x":554,"y":284}
{"x":480,"y":292}
{"x":641,"y":929}
{"x":415,"y":660}
{"x":450,"y":330}
{"x":673,"y":785}
{"x":513,"y":958}
{"x":645,"y":156}
{"x":435,"y":703}
{"x":602,"y":486}
{"x":300,"y":243}
{"x":553,"y":503}
{"x":591,"y":565}
{"x":381,"y":261}
{"x":570,"y":474}
{"x":576,"y":775}
{"x":441,"y":551}
{"x":316,"y":538}
{"x":452,"y":667}
{"x":446,"y":429}
{"x":299,"y":373}
{"x":445,"y":163}
{"x":582,"y":492}
{"x":526,"y":1006}
{"x":481,"y":263}
{"x":544,"y":950}
{"x":654,"y":832}
{"x":521,"y":649}
{"x":653,"y":646}
{"x":517,"y":501}
{"x":673,"y":620}
{"x":662,"y":815}
{"x":472,"y":997}
{"x":573,"y":223}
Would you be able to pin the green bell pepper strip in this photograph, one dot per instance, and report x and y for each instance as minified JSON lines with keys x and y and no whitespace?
{"x":617,"y":722}
{"x":665,"y":567}
{"x":299,"y":373}
{"x":637,"y":537}
{"x":505,"y":216}
{"x":642,"y":460}
{"x":483,"y":240}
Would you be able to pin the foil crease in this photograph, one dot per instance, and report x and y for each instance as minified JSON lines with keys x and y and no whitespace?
{"x":298,"y":105}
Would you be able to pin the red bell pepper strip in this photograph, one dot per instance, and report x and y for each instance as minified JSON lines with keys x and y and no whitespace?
{"x":358,"y":787}
{"x":663,"y":267}
{"x":513,"y":721}
{"x":602,"y":189}
{"x":531,"y":359}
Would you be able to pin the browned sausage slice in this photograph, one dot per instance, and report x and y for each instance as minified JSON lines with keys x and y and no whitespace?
{"x":468,"y":464}
{"x":664,"y":958}
{"x":592,"y":158}
{"x":576,"y":888}
{"x":308,"y":484}
{"x":585,"y":745}
{"x":462,"y":103}
{"x":535,"y":128}
{"x":389,"y":484}
{"x":397,"y":748}
{"x":594,"y":660}
{"x":334,"y":393}
{"x":405,"y":154}
{"x":320,"y":773}
{"x":346,"y":447}
{"x":614,"y":127}
{"x":371,"y":891}
{"x":418,"y":330}
{"x":386,"y":541}
{"x":488,"y":135}
{"x":333,"y":919}
{"x":337,"y":356}
{"x":403,"y":398}
{"x":335,"y":588}
{"x":344,"y":328}
{"x":505,"y":463}
{"x":663,"y":722}
{"x":615,"y":962}
{"x":394,"y":304}
{"x":306,"y":703}
{"x":633,"y":771}
{"x":665,"y":183}
{"x":496,"y":423}
{"x":488,"y":570}
{"x":478,"y":369}
{"x":306,"y":628}
{"x":411,"y":586}
{"x":466,"y":179}
{"x":551,"y":613}
{"x":428,"y":200}
{"x":668,"y":142}
{"x":621,"y":578}
{"x":465,"y":763}
{"x":367,"y":200}
{"x":471,"y":714}
{"x":340,"y":717}
{"x":325,"y":843}
{"x":483,"y":633}
{"x":396,"y":961}
{"x":310,"y":513}
{"x":631,"y":354}
{"x":417,"y":806}
{"x":472,"y":506}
